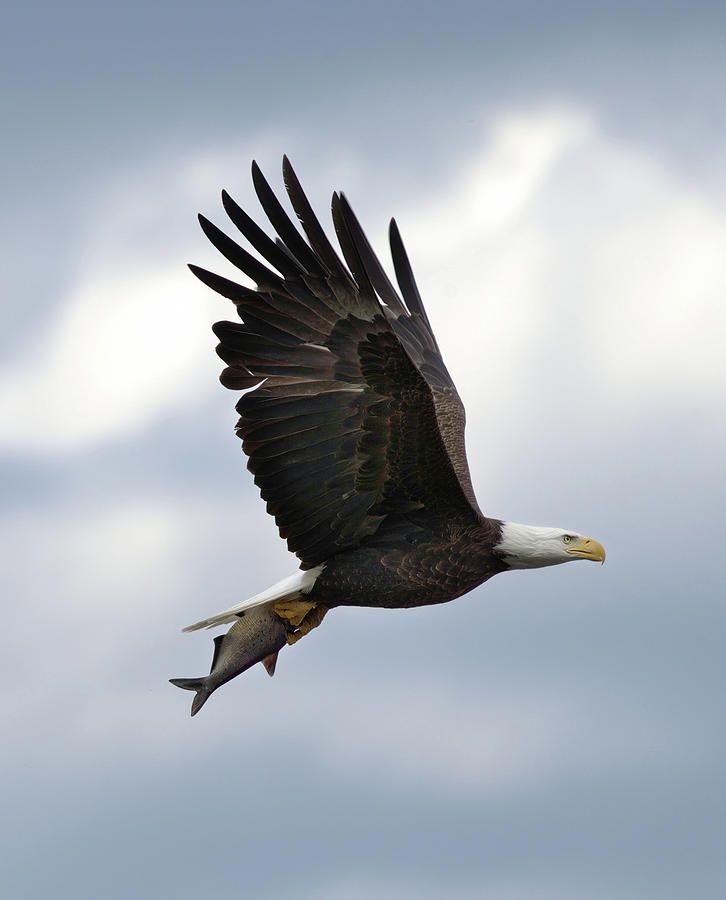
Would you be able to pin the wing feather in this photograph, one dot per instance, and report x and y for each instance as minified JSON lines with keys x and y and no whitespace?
{"x":283,"y":261}
{"x":351,"y":419}
{"x":373,"y":268}
{"x":350,"y":251}
{"x":312,"y":227}
{"x":239,"y":257}
{"x":280,"y":221}
{"x":404,"y":276}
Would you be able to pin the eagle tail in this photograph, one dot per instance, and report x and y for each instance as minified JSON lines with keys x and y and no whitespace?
{"x":289,"y":588}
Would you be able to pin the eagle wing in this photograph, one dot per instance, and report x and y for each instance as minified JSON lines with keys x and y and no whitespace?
{"x":353,"y":416}
{"x":411,"y":325}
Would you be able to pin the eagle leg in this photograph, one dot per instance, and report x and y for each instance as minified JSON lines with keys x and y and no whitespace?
{"x":310,"y":620}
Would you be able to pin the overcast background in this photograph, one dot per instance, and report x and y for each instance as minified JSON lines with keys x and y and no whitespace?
{"x":559,"y":175}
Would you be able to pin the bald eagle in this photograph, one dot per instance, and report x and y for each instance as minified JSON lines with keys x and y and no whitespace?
{"x":354,"y":432}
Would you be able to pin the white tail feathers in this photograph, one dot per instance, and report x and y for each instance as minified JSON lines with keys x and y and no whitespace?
{"x":289,"y":588}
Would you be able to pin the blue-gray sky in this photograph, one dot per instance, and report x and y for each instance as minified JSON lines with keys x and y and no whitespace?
{"x":558,"y":174}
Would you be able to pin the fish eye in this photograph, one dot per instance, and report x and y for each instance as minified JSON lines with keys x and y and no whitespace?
{"x":567,"y":538}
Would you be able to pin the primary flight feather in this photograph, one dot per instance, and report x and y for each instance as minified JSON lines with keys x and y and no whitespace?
{"x":354,"y":433}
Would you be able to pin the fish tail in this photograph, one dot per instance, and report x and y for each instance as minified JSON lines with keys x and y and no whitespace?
{"x":194,"y":684}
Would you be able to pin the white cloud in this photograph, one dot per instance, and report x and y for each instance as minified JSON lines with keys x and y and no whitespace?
{"x":556,"y":249}
{"x":500,"y":183}
{"x":121,"y":562}
{"x":603,"y":260}
{"x":127,"y":346}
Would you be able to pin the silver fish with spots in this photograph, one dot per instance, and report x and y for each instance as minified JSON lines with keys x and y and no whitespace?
{"x":257,"y":636}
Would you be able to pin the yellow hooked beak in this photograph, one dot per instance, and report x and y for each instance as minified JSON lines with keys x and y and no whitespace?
{"x":586,"y":548}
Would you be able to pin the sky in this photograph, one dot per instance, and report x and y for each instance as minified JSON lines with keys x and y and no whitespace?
{"x":558,"y":174}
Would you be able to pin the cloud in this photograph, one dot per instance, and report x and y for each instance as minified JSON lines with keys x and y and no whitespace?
{"x":129,"y":341}
{"x":557,"y":250}
{"x":594,"y":251}
{"x":500,"y":184}
{"x":128,"y":346}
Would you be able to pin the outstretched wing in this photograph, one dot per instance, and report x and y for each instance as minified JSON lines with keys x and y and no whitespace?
{"x":354,"y":416}
{"x":412,"y":326}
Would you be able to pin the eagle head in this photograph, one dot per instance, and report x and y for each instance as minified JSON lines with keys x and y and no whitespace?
{"x":532,"y":546}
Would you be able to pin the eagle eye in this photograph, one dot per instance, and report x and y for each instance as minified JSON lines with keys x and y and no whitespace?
{"x":567,"y":538}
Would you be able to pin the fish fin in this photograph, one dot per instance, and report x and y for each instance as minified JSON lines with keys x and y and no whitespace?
{"x":194,"y":684}
{"x":269,"y":662}
{"x":217,"y":647}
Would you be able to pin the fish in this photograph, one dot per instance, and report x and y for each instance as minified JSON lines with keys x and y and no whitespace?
{"x":258,"y":635}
